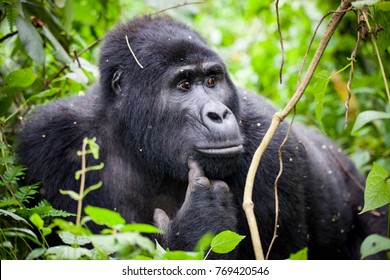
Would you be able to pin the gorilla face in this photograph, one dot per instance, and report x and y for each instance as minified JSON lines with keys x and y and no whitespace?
{"x":181,"y":104}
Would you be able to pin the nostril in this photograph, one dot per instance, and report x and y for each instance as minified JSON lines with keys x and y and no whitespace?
{"x":225,"y":114}
{"x":214,"y":117}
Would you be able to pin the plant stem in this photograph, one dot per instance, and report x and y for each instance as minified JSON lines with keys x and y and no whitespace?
{"x":377,"y":55}
{"x":278,"y":117}
{"x":82,"y":182}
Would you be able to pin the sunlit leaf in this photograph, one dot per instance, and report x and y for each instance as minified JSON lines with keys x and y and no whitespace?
{"x":72,"y":194}
{"x":300,"y":255}
{"x":225,"y":242}
{"x":143,"y":228}
{"x":103,"y":216}
{"x":319,"y":89}
{"x":21,"y":78}
{"x":377,"y":191}
{"x":182,"y":255}
{"x":37,"y":220}
{"x":374,"y":244}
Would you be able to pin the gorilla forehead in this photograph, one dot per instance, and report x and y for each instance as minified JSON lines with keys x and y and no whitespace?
{"x":157,"y":42}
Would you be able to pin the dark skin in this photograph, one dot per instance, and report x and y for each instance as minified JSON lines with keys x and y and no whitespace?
{"x":177,"y":138}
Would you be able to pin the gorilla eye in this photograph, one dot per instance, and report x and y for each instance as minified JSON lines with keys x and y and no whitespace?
{"x":185,"y":85}
{"x":211,"y":82}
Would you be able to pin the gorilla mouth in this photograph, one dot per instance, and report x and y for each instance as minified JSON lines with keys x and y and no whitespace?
{"x":221,"y":151}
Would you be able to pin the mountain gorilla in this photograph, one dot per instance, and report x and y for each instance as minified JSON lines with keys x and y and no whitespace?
{"x":177,"y":138}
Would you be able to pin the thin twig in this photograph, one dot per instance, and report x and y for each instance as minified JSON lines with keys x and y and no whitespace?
{"x":349,"y":83}
{"x":281,"y":42}
{"x":310,"y":43}
{"x":377,"y":54}
{"x":136,"y":60}
{"x":276,"y":186}
{"x":9,"y":35}
{"x":82,"y":182}
{"x":277,"y":118}
{"x":177,"y":6}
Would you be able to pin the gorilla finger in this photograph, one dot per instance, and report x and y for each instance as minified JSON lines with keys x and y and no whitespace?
{"x":220,"y":187}
{"x":195,"y":170}
{"x":161,"y":219}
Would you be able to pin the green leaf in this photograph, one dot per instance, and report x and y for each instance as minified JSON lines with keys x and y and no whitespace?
{"x":43,"y":94}
{"x":31,"y":40}
{"x":59,"y":52}
{"x":377,"y":192}
{"x":160,"y":252}
{"x":300,"y":255}
{"x":93,"y":147}
{"x":143,"y":228}
{"x":204,"y":242}
{"x":225,"y":242}
{"x":374,"y":244}
{"x":93,"y":188}
{"x":382,"y":18}
{"x":72,"y":194}
{"x":72,"y":239}
{"x":64,"y":252}
{"x":22,"y":233}
{"x":71,"y":227}
{"x":36,"y":253}
{"x":13,"y":216}
{"x":182,"y":255}
{"x":320,"y":85}
{"x":366,"y":117}
{"x":103,"y":216}
{"x":21,"y":78}
{"x":37,"y":220}
{"x":359,"y":4}
{"x":89,"y":168}
{"x":110,"y":244}
{"x":11,"y":175}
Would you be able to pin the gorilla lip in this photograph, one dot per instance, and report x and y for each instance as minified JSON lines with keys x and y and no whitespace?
{"x":221,"y":151}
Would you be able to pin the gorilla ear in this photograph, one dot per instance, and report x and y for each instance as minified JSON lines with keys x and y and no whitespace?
{"x":115,"y":82}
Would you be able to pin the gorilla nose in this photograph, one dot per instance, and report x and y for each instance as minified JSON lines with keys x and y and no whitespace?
{"x":218,"y":118}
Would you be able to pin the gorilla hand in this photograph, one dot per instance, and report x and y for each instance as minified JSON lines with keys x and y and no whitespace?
{"x":207,"y":207}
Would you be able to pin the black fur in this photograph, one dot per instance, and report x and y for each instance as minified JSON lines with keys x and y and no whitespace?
{"x":150,"y":128}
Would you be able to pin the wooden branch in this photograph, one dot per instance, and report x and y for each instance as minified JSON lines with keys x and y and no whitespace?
{"x":277,"y":118}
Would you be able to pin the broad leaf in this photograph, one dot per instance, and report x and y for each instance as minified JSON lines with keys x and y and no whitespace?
{"x":368,"y":116}
{"x":374,"y":244}
{"x":64,"y":252}
{"x":377,"y":192}
{"x":21,"y":78}
{"x":225,"y":242}
{"x":143,"y":228}
{"x":320,"y":85}
{"x":103,"y":216}
{"x":31,"y":41}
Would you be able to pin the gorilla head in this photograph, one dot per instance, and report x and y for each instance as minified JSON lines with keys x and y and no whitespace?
{"x":182,"y":91}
